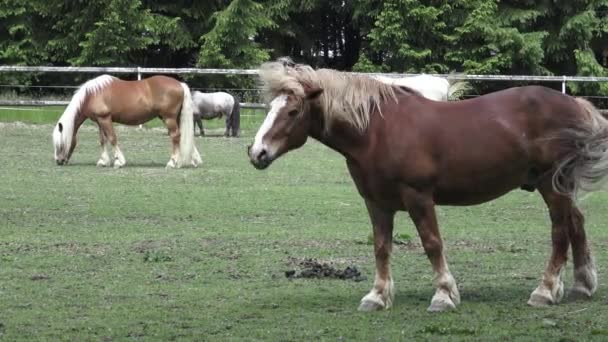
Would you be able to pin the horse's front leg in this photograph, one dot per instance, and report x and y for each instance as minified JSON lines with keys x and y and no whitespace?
{"x":104,"y":160}
{"x":106,"y":124}
{"x":381,"y":295}
{"x":421,"y":209}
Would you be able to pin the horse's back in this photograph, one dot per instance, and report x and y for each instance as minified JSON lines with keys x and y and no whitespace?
{"x":136,"y":102}
{"x":213,"y":102}
{"x":477,"y":149}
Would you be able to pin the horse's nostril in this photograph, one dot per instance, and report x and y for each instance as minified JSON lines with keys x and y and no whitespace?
{"x":263,"y":155}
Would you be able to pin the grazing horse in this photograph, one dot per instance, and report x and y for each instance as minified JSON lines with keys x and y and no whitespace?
{"x":405,"y":152}
{"x":431,"y":87}
{"x":106,"y":99}
{"x":215,"y":105}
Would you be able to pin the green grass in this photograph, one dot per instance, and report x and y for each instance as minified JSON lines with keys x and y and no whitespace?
{"x":50,"y":115}
{"x":144,"y":253}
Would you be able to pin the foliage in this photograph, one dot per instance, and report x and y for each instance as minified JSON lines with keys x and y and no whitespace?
{"x":435,"y":36}
{"x":232,"y":40}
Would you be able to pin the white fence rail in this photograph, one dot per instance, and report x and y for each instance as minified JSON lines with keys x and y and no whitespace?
{"x":196,"y":71}
{"x":36,"y":103}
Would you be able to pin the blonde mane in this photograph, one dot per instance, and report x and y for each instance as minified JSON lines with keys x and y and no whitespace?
{"x":346,"y":97}
{"x":63,"y":139}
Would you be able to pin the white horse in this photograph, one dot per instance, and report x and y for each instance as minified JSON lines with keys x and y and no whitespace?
{"x":432,"y":87}
{"x":215,"y":105}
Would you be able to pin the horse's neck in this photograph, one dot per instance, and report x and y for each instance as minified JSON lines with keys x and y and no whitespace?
{"x":342,"y":138}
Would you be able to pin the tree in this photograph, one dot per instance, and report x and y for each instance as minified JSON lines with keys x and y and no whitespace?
{"x":232,"y":40}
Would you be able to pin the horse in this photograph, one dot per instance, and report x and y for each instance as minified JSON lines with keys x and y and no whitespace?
{"x":431,"y":87}
{"x":215,"y":105}
{"x":408,"y":153}
{"x":106,"y":99}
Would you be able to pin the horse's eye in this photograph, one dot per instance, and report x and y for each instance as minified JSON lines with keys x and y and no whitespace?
{"x":293,"y":113}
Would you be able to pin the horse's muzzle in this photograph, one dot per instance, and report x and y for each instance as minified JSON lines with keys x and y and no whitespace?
{"x":260,"y":161}
{"x":61,"y":161}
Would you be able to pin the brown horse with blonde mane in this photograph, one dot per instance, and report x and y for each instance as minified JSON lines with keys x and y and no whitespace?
{"x":405,"y":152}
{"x":106,"y":99}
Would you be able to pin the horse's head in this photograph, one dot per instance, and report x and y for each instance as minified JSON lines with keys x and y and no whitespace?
{"x":64,"y":144}
{"x":285,"y":128}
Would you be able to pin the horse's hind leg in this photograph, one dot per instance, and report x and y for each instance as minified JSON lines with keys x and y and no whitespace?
{"x":228,"y":125}
{"x":174,"y":133}
{"x":108,"y":130}
{"x":199,"y":123}
{"x":104,"y":160}
{"x":585,"y":274}
{"x":561,"y":210}
{"x":421,"y":209}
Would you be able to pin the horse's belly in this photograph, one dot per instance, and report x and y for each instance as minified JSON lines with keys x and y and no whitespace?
{"x":478,"y":189}
{"x":134,"y":119}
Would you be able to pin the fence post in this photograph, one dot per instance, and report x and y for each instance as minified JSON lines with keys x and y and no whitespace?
{"x":563,"y":84}
{"x":139,"y":79}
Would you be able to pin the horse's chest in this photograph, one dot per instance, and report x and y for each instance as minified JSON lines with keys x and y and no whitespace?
{"x":373,"y":186}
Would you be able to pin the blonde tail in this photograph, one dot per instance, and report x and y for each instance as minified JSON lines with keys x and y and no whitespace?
{"x":458,"y":89}
{"x":585,"y":168}
{"x":186,"y":130}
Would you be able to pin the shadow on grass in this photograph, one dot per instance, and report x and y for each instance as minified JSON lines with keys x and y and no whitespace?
{"x":130,"y":165}
{"x":407,"y":297}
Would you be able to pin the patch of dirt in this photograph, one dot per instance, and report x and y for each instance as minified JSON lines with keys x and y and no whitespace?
{"x":313,"y":268}
{"x":144,"y":246}
{"x":37,"y":277}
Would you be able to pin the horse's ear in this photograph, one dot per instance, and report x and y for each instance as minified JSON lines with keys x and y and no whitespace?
{"x":60,"y":127}
{"x":313,"y":93}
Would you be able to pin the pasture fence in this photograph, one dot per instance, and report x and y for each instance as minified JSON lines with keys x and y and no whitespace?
{"x":252,"y":93}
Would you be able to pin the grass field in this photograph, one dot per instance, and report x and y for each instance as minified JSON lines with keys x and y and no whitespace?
{"x":50,"y":115}
{"x":144,"y":253}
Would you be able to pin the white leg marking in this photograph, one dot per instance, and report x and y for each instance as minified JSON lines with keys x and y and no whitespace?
{"x":379,"y":298}
{"x":105,"y":159}
{"x":196,"y":158}
{"x":258,"y":143}
{"x":585,"y":281}
{"x":171,"y":164}
{"x":119,"y":158}
{"x":446,"y":296}
{"x":550,"y":291}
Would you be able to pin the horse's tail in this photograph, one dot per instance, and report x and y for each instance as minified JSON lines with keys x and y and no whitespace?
{"x":457,"y":89}
{"x":586,"y":166}
{"x":186,"y":129}
{"x":235,"y":117}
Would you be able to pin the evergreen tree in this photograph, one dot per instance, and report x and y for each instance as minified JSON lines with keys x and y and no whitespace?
{"x":232,"y":42}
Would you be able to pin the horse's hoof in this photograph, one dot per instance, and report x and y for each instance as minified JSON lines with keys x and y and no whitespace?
{"x":579,"y":293}
{"x":368,"y":305}
{"x":101,"y":163}
{"x":171,"y":164}
{"x":441,"y":303}
{"x":119,"y":163}
{"x":541,"y":297}
{"x":538,"y":301}
{"x":373,"y":301}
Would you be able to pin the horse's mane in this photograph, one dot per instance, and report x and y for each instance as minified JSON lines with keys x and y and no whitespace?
{"x":346,"y":97}
{"x":63,"y":139}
